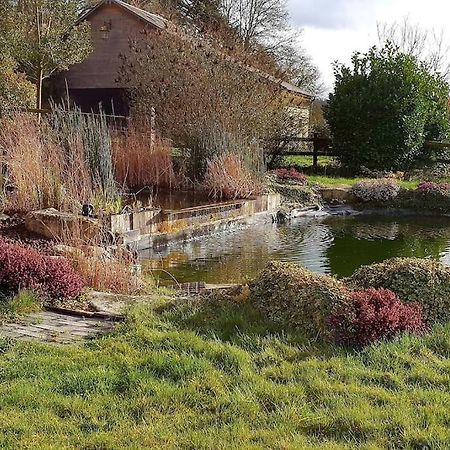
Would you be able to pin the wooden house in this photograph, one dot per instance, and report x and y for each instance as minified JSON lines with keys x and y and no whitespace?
{"x":113,"y":24}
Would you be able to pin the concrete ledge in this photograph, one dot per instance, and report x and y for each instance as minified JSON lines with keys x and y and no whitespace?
{"x":54,"y":224}
{"x":158,"y":240}
{"x":337,"y":194}
{"x":153,"y":228}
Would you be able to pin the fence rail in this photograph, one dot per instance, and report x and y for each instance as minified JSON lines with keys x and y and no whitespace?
{"x":324,"y":147}
{"x":320,"y":147}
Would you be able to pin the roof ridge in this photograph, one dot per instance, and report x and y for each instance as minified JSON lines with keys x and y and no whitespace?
{"x":153,"y":19}
{"x":163,"y":23}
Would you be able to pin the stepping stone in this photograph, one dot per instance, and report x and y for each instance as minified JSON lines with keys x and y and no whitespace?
{"x":115,"y":305}
{"x":55,"y":327}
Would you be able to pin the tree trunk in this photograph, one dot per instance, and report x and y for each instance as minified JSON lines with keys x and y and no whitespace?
{"x":39,"y":94}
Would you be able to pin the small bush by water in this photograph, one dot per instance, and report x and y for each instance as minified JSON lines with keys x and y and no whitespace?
{"x":414,"y":280}
{"x":296,"y":296}
{"x":429,"y":196}
{"x":373,"y":315}
{"x":25,"y":268}
{"x":376,"y":190}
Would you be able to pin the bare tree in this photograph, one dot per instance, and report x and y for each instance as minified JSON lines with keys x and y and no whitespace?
{"x":204,"y":100}
{"x":256,"y":32}
{"x":428,"y":45}
{"x":263,"y":28}
{"x":294,"y":62}
{"x":256,"y":20}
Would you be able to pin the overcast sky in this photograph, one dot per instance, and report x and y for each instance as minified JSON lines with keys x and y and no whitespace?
{"x":333,"y":29}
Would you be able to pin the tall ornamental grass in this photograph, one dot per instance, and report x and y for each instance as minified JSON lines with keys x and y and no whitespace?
{"x":62,"y":162}
{"x":142,"y":160}
{"x":227,"y":177}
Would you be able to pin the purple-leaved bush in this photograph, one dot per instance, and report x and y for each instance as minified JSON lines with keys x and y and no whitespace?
{"x":430,"y":186}
{"x":291,"y":174}
{"x":373,"y":315}
{"x":25,"y":268}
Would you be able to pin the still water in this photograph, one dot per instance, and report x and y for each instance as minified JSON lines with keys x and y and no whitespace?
{"x":332,"y":245}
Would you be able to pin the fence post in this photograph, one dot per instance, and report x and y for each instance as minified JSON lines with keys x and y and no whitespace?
{"x":315,"y":150}
{"x":152,"y":126}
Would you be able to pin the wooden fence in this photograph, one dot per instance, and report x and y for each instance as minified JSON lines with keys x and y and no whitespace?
{"x":299,"y":146}
{"x":322,"y":146}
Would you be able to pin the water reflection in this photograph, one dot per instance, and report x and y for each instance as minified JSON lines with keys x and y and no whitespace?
{"x":336,"y":245}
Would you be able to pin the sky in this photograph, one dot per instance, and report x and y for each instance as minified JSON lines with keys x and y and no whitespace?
{"x":334,"y":29}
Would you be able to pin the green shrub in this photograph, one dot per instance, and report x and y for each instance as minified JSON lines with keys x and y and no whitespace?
{"x":291,"y":294}
{"x":15,"y":90}
{"x":414,"y":280}
{"x":430,"y":200}
{"x":377,"y":190}
{"x":385,"y":105}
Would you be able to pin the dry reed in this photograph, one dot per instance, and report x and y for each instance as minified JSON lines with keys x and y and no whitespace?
{"x":104,"y":268}
{"x":36,"y":167}
{"x":40,"y":172}
{"x":114,"y":275}
{"x":227,"y":177}
{"x":141,"y":161}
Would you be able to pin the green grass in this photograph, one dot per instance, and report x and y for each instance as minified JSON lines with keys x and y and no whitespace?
{"x":306,"y":161}
{"x":24,"y":302}
{"x":340,"y":181}
{"x":220,"y":377}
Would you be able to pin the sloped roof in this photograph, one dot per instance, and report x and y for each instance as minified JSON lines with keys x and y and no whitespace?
{"x":152,"y":19}
{"x":163,"y":24}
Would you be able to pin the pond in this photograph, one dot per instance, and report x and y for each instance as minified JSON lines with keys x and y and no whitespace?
{"x":330,"y":245}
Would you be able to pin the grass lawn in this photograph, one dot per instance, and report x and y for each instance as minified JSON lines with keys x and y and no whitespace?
{"x":200,"y":377}
{"x":306,"y":161}
{"x":339,"y":181}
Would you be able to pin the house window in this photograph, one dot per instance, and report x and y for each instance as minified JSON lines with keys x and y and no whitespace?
{"x":105,"y":29}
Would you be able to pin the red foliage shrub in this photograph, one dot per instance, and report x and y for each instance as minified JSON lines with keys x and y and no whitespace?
{"x":291,"y":174}
{"x":373,"y":315}
{"x":427,"y":186}
{"x":61,"y":281}
{"x":25,"y":268}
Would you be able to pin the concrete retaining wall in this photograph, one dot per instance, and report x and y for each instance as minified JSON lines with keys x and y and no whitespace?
{"x":156,"y":227}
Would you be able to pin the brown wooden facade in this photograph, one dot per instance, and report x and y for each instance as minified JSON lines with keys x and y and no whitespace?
{"x":96,"y":80}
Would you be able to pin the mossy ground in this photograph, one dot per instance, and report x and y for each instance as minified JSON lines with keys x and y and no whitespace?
{"x":220,"y":377}
{"x":24,"y":302}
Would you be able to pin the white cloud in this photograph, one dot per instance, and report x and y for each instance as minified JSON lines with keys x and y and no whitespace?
{"x":334,"y":29}
{"x":328,"y":14}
